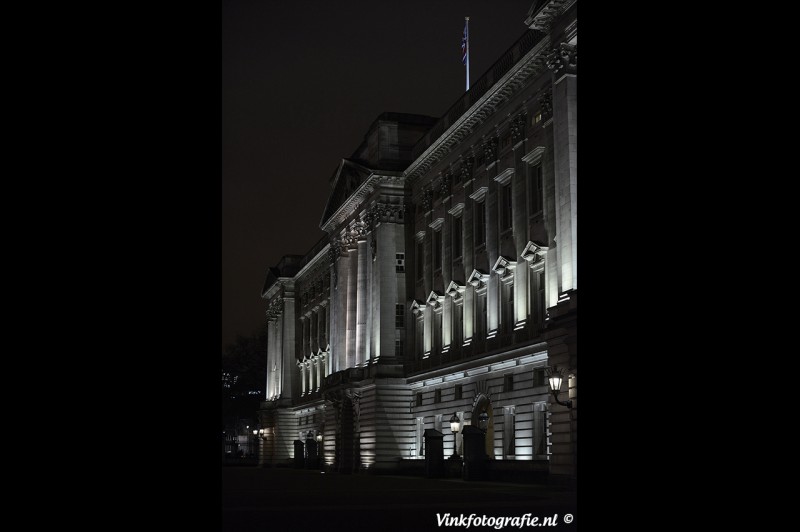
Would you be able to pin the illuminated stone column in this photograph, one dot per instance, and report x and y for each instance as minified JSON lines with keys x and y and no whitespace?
{"x":492,"y":237}
{"x":271,"y":362}
{"x":321,"y":316}
{"x":339,"y":314}
{"x":310,"y":363}
{"x":447,"y":324}
{"x":304,"y":338}
{"x":361,"y":303}
{"x":290,"y":380}
{"x":320,"y":369}
{"x":520,"y":216}
{"x":279,"y":358}
{"x":428,"y":334}
{"x":564,"y":64}
{"x":352,"y":307}
{"x":303,"y":388}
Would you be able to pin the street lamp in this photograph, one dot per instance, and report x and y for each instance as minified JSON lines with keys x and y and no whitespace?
{"x":556,"y":377}
{"x":319,"y":437}
{"x":455,"y":425}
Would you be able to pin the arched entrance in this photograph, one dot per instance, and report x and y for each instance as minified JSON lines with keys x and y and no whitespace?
{"x":482,"y":404}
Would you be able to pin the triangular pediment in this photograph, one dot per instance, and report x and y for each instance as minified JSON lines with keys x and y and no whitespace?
{"x":344,"y":182}
{"x":477,"y":278}
{"x":454,"y":289}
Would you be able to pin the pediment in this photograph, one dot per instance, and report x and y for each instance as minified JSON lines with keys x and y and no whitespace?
{"x":346,"y":180}
{"x":477,"y":278}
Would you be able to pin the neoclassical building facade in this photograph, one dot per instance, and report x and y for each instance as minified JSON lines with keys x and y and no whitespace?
{"x":446,"y":282}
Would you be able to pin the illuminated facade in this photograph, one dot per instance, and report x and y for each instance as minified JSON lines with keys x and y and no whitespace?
{"x":447,"y":280}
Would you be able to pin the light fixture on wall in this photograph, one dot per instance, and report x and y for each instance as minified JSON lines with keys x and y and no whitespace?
{"x":483,"y":421}
{"x":319,"y":436}
{"x":455,"y":426}
{"x":556,"y":377}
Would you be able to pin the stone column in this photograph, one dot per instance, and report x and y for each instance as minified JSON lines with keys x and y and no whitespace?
{"x":324,"y":366}
{"x":352,"y":307}
{"x":361,"y":303}
{"x":519,"y":196}
{"x":279,"y":358}
{"x":270,"y":359}
{"x":304,"y":340}
{"x":428,"y":331}
{"x":492,"y":239}
{"x":468,"y":230}
{"x":564,"y":64}
{"x":314,"y":377}
{"x":290,"y":381}
{"x":320,"y":323}
{"x":340,"y":328}
{"x":303,"y":388}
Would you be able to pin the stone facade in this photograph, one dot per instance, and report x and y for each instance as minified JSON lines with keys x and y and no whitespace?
{"x":447,"y":280}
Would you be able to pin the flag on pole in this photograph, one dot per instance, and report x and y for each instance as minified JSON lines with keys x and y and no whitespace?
{"x":465,"y":42}
{"x":465,"y":47}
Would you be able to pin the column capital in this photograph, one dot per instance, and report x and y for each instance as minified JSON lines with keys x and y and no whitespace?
{"x":563,"y":59}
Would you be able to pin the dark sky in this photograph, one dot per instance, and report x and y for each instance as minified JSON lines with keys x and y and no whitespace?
{"x":302,"y":80}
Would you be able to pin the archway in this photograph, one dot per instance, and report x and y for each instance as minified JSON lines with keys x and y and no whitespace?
{"x":481,"y":404}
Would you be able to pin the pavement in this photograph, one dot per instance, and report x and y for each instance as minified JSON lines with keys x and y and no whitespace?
{"x":274,"y":499}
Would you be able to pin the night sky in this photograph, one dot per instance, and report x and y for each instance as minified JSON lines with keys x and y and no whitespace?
{"x":302,"y":80}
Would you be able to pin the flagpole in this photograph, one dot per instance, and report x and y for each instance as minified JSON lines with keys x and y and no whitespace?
{"x":466,"y":19}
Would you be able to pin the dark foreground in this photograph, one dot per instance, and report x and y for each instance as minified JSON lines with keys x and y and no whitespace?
{"x":288,"y":499}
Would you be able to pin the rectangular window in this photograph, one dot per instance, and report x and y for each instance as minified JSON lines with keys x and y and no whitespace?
{"x":480,"y":224}
{"x":420,"y":436}
{"x":480,"y":315}
{"x":437,"y":396}
{"x":437,"y":330}
{"x":508,"y":383}
{"x":535,"y":190}
{"x":458,"y":326}
{"x":419,"y":398}
{"x":540,"y":299}
{"x":420,"y":336}
{"x":508,"y":311}
{"x":437,"y":250}
{"x":541,"y":435}
{"x":457,"y":237}
{"x":399,"y":315}
{"x":458,"y":391}
{"x":509,"y":432}
{"x":538,"y":377}
{"x":507,"y":216}
{"x":400,"y":262}
{"x":398,"y":347}
{"x":420,"y":260}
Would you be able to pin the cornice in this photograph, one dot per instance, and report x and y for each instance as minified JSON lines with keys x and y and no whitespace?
{"x":528,"y":65}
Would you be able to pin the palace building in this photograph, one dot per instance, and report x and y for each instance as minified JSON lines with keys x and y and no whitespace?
{"x":446,"y":282}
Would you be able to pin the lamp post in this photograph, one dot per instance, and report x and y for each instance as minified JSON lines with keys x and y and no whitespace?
{"x":555,"y":378}
{"x":455,"y":425}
